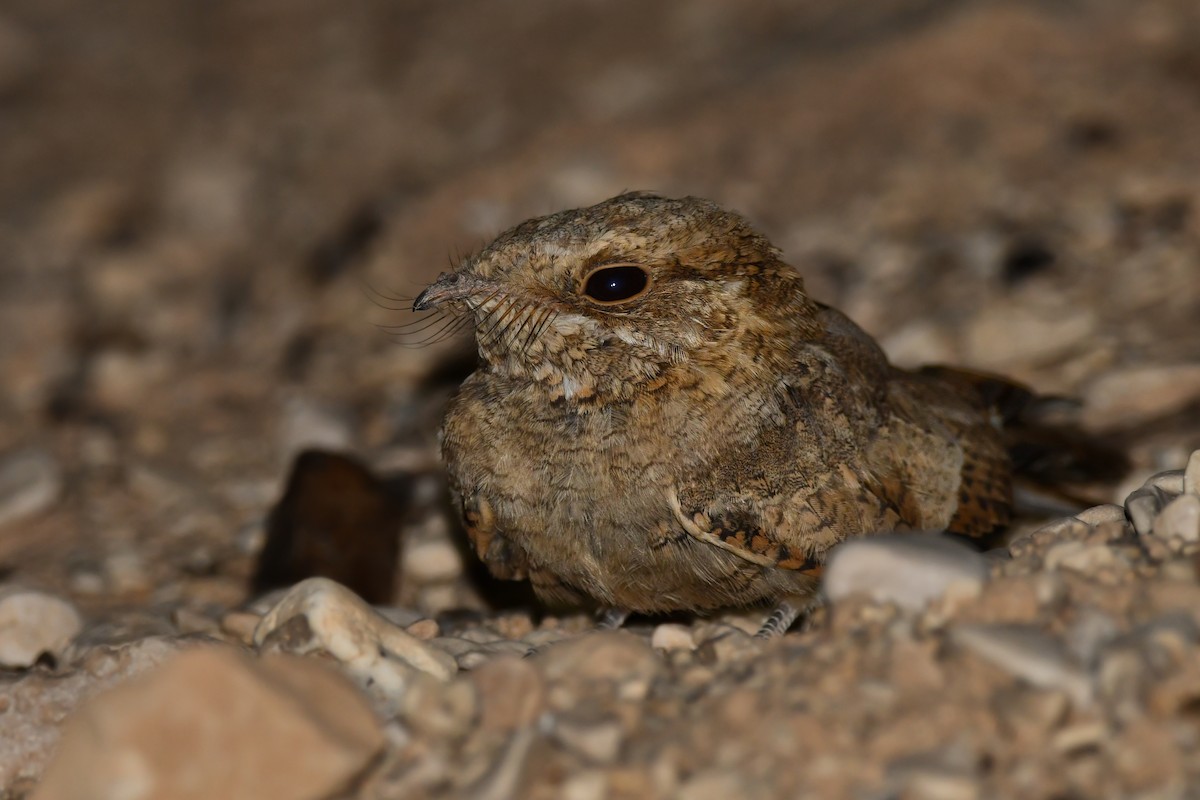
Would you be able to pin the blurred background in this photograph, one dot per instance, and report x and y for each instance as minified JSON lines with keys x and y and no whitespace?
{"x":200,"y":203}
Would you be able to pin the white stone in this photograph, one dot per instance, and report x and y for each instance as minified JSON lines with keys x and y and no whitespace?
{"x":306,"y":424}
{"x":1098,"y":515}
{"x":1136,"y":394}
{"x":1078,"y":556}
{"x":1143,"y":506}
{"x":1191,"y":475}
{"x":345,"y":626}
{"x":33,"y":623}
{"x":1171,"y":481}
{"x":30,"y":482}
{"x":1180,"y":519}
{"x":671,"y":636}
{"x":1028,"y":654}
{"x":432,"y":561}
{"x":909,"y":570}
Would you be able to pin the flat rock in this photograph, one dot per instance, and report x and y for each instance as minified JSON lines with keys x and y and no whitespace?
{"x":30,"y":482}
{"x":909,"y":570}
{"x":216,"y":723}
{"x":36,"y":704}
{"x":1029,"y":654}
{"x":1141,"y":393}
{"x":34,"y":623}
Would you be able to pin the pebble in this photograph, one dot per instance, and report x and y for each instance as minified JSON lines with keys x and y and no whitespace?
{"x":1138,"y":394}
{"x":241,"y":625}
{"x":671,"y":636}
{"x":424,"y":629}
{"x":597,"y":741}
{"x":909,"y":570}
{"x":125,"y":571}
{"x":1029,"y":654}
{"x":503,"y":779}
{"x":1172,"y":481}
{"x":30,"y":483}
{"x":1079,"y":556}
{"x":721,"y":643}
{"x":1180,"y":519}
{"x":1098,"y":515}
{"x":214,"y":723}
{"x":512,"y":693}
{"x":1143,"y":505}
{"x":307,"y":424}
{"x":320,"y":615}
{"x":433,"y":561}
{"x":1191,"y":475}
{"x":33,"y":624}
{"x":602,"y":656}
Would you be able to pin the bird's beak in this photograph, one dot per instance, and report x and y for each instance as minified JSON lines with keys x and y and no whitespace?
{"x":448,"y":287}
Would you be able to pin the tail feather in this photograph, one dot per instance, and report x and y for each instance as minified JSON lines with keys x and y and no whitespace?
{"x":1044,"y":444}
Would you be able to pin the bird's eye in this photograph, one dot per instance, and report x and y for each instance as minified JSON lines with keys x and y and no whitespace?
{"x":615,"y":283}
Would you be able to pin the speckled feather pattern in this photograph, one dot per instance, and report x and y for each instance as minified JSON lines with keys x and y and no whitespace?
{"x":704,"y":444}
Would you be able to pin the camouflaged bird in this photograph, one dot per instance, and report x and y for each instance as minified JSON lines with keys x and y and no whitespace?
{"x":664,"y":420}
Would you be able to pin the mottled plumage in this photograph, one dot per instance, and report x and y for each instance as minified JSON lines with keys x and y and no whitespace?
{"x":703,"y":443}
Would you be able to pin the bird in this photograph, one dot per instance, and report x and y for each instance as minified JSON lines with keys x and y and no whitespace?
{"x":663,"y":420}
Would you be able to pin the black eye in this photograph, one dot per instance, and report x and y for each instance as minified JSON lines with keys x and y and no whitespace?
{"x":615,"y":283}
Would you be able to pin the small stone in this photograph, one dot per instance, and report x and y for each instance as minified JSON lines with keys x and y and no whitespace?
{"x":1171,"y":481}
{"x":240,"y":625}
{"x":435,"y":710}
{"x":30,"y":482}
{"x":307,"y":424}
{"x":179,"y":732}
{"x":188,"y":620}
{"x":601,"y":656}
{"x":1098,"y":515}
{"x":1191,"y":475}
{"x":125,"y":572}
{"x":1078,"y":556}
{"x":424,"y":629}
{"x":721,"y":643}
{"x":512,"y":693}
{"x":599,"y":741}
{"x":671,"y":636}
{"x":320,"y":615}
{"x":1143,"y":505}
{"x":930,"y":783}
{"x":1139,"y":394}
{"x":1180,"y":519}
{"x":434,"y":561}
{"x":33,"y":624}
{"x":909,"y":570}
{"x":1029,"y":654}
{"x":503,"y":779}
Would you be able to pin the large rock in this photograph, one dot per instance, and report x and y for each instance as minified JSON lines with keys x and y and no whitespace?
{"x":216,"y":723}
{"x":36,"y":704}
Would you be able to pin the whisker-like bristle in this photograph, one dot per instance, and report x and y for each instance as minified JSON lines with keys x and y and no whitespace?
{"x":417,"y":325}
{"x":451,"y":326}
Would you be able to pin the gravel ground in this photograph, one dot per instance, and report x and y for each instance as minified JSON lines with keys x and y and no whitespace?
{"x":205,"y":211}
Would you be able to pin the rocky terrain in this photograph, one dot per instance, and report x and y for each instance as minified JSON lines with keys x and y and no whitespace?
{"x":209,"y":215}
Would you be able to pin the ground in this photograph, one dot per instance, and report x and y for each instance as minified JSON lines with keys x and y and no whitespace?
{"x":202,"y":206}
